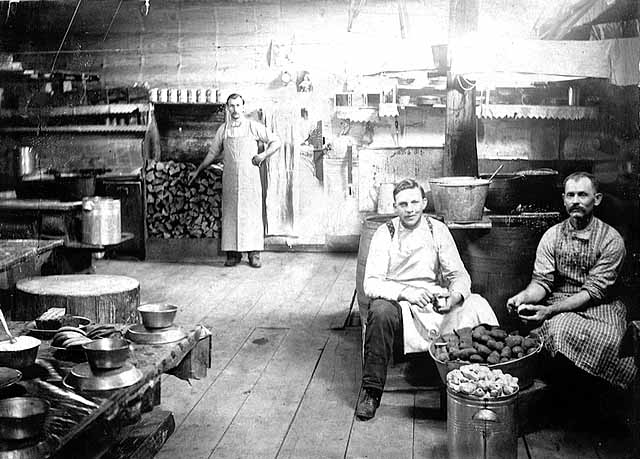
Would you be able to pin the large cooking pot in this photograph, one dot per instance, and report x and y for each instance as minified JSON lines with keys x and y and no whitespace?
{"x":540,"y":189}
{"x":504,"y":193}
{"x":53,"y":184}
{"x":73,"y":186}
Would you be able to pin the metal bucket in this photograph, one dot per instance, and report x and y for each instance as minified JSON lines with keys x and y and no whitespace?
{"x":101,"y":221}
{"x":481,"y":428}
{"x":459,"y":199}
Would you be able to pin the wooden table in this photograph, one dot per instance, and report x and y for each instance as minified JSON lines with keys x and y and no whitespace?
{"x":21,"y":258}
{"x":86,"y":425}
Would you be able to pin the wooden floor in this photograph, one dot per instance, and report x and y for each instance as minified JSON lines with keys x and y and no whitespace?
{"x":286,"y":370}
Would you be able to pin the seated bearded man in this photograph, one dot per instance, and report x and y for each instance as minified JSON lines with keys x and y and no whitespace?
{"x":572,"y":297}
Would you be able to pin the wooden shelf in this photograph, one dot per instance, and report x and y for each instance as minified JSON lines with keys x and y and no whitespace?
{"x":85,"y":129}
{"x":124,"y":237}
{"x":438,"y":106}
{"x":80,"y":110}
{"x":560,"y":112}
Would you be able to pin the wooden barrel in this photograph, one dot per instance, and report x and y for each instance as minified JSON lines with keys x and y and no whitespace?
{"x":370,"y":226}
{"x":500,"y":260}
{"x":101,"y":298}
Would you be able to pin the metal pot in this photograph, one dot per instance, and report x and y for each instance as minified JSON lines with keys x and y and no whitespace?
{"x":481,"y":428}
{"x":26,"y":161}
{"x":540,"y":189}
{"x":157,"y":315}
{"x":73,"y":186}
{"x":106,"y":353}
{"x":504,"y":193}
{"x":459,"y":199}
{"x":20,"y":354}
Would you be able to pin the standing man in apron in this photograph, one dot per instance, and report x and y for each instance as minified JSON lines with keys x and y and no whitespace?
{"x":236,"y":141}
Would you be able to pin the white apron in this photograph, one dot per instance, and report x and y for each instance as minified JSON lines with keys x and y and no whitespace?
{"x":421,"y":327}
{"x":242,"y":227}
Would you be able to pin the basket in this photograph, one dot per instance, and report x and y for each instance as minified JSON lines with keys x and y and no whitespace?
{"x":523,"y":368}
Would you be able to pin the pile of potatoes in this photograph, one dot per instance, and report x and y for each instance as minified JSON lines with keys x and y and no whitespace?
{"x":485,"y":344}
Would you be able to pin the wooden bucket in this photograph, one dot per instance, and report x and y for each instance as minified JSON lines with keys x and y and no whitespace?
{"x":370,"y":226}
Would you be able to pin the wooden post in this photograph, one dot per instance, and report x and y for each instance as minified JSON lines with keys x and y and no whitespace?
{"x":461,"y":153}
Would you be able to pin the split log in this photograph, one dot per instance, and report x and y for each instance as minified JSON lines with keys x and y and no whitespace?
{"x":177,"y":210}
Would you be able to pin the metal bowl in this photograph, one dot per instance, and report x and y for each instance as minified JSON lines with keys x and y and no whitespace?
{"x":20,"y":354}
{"x":524,"y":368}
{"x":157,"y":315}
{"x":22,"y":417}
{"x":106,"y":353}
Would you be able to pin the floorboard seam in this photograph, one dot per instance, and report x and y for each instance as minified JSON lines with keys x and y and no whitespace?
{"x":275,"y":351}
{"x":204,"y":392}
{"x":324,"y":300}
{"x":526,"y":447}
{"x":413,"y":428}
{"x":353,"y":420}
{"x":304,"y":393}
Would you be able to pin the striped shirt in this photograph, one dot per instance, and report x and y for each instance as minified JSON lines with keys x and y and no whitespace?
{"x":569,"y":261}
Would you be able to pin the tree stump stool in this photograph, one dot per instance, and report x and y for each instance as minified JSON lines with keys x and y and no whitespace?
{"x":101,"y":298}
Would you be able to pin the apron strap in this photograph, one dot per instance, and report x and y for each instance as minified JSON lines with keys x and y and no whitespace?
{"x":392,"y":231}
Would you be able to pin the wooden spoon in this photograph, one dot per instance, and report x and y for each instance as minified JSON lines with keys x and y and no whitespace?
{"x":6,"y":327}
{"x":497,"y":170}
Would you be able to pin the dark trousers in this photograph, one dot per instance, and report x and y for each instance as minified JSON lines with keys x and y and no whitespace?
{"x":383,"y":339}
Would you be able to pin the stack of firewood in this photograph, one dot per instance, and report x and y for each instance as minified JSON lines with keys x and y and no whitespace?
{"x":176,"y":210}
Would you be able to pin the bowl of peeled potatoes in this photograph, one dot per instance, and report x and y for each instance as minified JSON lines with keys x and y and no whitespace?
{"x":511,"y":352}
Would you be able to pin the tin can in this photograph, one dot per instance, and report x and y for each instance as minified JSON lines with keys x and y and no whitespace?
{"x":574,"y":95}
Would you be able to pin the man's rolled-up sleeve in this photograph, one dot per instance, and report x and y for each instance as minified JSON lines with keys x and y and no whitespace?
{"x":605,"y":272}
{"x":544,"y":267}
{"x":262,"y":133}
{"x":376,"y":284}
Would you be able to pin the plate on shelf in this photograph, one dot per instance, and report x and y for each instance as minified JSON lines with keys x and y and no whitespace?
{"x":43,"y":333}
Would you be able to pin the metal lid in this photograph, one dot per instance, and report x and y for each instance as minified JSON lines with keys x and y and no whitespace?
{"x":81,"y":377}
{"x":141,"y":335}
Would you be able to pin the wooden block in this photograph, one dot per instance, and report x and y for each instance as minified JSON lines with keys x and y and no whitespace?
{"x":196,"y":362}
{"x":144,"y":440}
{"x":101,"y":298}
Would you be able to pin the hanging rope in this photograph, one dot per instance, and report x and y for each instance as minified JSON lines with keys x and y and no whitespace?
{"x":112,"y":19}
{"x":55,"y":59}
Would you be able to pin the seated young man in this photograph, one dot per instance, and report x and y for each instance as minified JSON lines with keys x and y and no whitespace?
{"x":419,"y":288}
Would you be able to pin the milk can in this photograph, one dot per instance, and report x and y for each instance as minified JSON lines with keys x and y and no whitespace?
{"x":481,"y":428}
{"x":101,"y":221}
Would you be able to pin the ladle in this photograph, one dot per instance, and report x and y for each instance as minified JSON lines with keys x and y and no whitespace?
{"x":497,"y":170}
{"x":6,"y":327}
